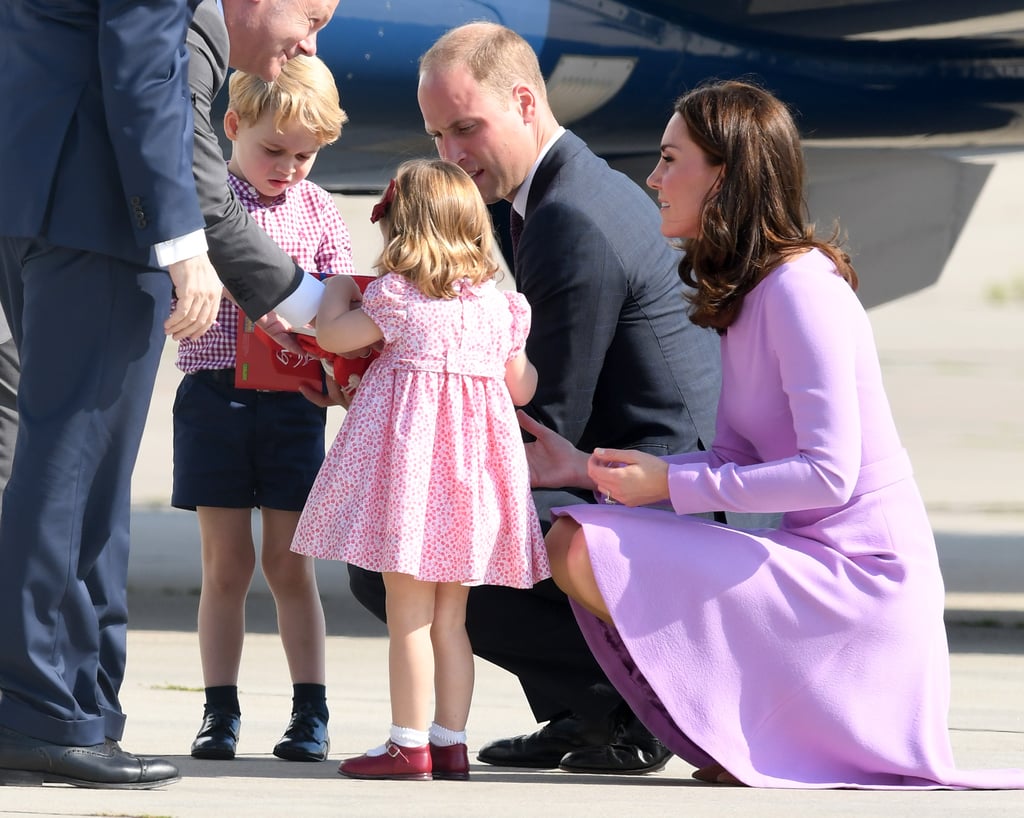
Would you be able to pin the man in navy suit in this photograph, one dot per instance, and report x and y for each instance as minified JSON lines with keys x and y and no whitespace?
{"x":619,"y":365}
{"x":99,"y":204}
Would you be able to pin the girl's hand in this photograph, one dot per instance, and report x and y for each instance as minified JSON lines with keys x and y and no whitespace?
{"x":334,"y":397}
{"x":629,"y":477}
{"x":365,"y":352}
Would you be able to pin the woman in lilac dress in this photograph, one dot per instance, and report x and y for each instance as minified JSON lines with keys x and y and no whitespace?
{"x":812,"y":655}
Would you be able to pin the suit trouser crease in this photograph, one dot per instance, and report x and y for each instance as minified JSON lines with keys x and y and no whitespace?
{"x":89,"y":334}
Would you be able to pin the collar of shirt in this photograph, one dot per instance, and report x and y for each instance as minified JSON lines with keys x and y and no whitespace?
{"x":249,"y":196}
{"x":523,"y":195}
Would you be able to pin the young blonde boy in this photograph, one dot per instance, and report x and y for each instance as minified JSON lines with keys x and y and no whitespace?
{"x":239,"y":449}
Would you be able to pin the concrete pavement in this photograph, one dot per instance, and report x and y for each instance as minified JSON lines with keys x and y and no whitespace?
{"x":163,"y":698}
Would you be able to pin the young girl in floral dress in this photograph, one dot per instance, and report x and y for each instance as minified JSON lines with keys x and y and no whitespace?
{"x":427,"y":480}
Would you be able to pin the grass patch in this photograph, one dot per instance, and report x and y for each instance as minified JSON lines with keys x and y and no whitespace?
{"x":123,"y":815}
{"x":1004,"y":293}
{"x":179,"y":688}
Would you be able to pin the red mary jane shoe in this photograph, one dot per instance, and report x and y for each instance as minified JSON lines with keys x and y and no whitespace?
{"x":397,"y":763}
{"x":450,"y":762}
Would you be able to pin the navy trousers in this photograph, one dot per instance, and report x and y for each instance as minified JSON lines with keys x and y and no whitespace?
{"x":89,"y":333}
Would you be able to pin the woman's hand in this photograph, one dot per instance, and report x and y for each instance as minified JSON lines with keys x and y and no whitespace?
{"x":554,"y":462}
{"x":629,"y":477}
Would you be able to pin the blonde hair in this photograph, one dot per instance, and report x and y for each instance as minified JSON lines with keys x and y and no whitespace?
{"x":495,"y":56}
{"x":304,"y":92}
{"x":437,"y":230}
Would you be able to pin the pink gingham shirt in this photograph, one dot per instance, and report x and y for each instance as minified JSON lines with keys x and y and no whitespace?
{"x":305,"y":222}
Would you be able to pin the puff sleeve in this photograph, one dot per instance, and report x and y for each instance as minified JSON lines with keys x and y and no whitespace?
{"x":521,"y":318}
{"x":384,"y":303}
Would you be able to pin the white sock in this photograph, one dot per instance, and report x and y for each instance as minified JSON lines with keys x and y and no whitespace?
{"x":408,"y":736}
{"x":443,"y":737}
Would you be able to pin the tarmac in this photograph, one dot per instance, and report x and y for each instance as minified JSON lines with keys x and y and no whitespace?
{"x":953,"y":358}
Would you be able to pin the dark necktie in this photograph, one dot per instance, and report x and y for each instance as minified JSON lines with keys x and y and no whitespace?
{"x":515,"y":228}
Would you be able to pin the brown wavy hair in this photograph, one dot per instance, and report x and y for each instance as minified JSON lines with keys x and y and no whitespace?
{"x":757,"y":217}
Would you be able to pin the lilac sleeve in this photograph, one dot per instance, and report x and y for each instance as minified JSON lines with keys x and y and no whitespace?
{"x":811,"y":324}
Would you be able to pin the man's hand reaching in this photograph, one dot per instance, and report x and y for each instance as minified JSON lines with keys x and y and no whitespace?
{"x":554,"y":462}
{"x":198,"y":292}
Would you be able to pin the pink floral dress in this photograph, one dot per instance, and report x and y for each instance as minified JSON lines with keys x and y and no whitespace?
{"x":428,"y":474}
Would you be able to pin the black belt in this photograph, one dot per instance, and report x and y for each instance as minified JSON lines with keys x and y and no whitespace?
{"x":221,"y":377}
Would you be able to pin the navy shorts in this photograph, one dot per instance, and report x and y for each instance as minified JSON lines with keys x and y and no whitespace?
{"x":242,"y":448}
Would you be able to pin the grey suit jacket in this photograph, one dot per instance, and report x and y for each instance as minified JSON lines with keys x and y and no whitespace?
{"x":256,"y":271}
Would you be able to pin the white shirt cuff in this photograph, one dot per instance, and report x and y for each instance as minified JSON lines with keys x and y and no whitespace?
{"x":300,"y":307}
{"x":187,"y":246}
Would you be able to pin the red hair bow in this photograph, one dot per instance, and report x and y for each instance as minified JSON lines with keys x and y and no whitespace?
{"x":380,"y":210}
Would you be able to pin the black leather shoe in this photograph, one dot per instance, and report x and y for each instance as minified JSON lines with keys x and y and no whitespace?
{"x":617,"y":759}
{"x":634,"y":751}
{"x":218,"y":737}
{"x":544,"y":749}
{"x":306,"y":737}
{"x":27,"y":761}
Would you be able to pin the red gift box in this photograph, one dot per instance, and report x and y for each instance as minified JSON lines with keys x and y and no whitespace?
{"x":262,"y":363}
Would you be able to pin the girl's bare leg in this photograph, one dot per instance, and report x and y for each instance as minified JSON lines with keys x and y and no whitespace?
{"x":453,"y":657}
{"x":410,"y":612}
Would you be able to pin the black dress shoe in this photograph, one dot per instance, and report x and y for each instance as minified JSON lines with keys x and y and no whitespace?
{"x":544,"y":749}
{"x":306,"y":737}
{"x":218,"y":737}
{"x":617,"y":759}
{"x":27,"y":761}
{"x":633,"y":752}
